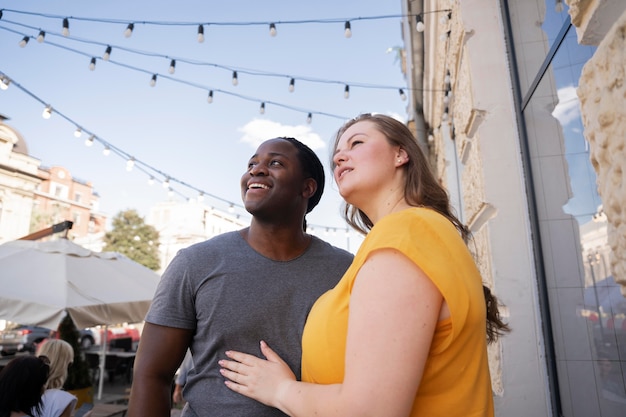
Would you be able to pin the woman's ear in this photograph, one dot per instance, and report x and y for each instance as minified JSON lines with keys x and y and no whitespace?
{"x":401,"y":157}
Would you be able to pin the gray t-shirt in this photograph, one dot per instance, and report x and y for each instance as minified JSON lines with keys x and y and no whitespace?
{"x":233,"y":297}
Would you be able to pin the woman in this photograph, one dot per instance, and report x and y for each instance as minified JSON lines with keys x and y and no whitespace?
{"x":56,"y":402}
{"x":405,"y":331}
{"x":22,"y":381}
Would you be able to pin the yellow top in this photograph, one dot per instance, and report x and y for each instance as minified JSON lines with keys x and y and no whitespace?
{"x":456,"y":379}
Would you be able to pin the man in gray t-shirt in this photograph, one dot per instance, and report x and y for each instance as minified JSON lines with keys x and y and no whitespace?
{"x":239,"y":288}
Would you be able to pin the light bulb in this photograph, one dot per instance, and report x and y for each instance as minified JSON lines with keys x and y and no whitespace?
{"x":106,"y":151}
{"x":107,"y":53}
{"x":4,"y":83}
{"x":346,"y":92}
{"x":262,"y":108}
{"x":200,"y":33}
{"x":292,"y":85}
{"x":130,"y":164}
{"x":201,"y":197}
{"x":235,"y":79}
{"x":172,"y":66}
{"x":89,"y":140}
{"x":348,"y":30}
{"x":129,"y":30}
{"x":272,"y":29}
{"x":166,"y":183}
{"x":66,"y":27}
{"x":78,"y":132}
{"x":210,"y":97}
{"x":41,"y":37}
{"x":92,"y":64}
{"x":446,"y":79}
{"x":170,"y":192}
{"x":151,"y":181}
{"x":309,"y":118}
{"x":231,"y":208}
{"x":402,"y":95}
{"x":47,"y":112}
{"x":153,"y":80}
{"x":24,"y":41}
{"x":419,"y":23}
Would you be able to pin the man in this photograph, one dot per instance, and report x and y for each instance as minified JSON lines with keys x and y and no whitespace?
{"x":231,"y":291}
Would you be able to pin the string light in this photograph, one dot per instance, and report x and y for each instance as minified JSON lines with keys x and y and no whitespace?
{"x":66,"y":27}
{"x":151,"y":180}
{"x":4,"y":83}
{"x":446,"y":79}
{"x":172,"y":67}
{"x":78,"y":132}
{"x":262,"y":108}
{"x":419,"y":23}
{"x":41,"y":37}
{"x":402,"y":95}
{"x":210,"y":97}
{"x":166,"y":182}
{"x":24,"y":42}
{"x":235,"y":79}
{"x":200,"y":33}
{"x":348,"y":30}
{"x":47,"y":112}
{"x":346,"y":92}
{"x":272,"y":29}
{"x":201,"y":197}
{"x":92,"y":64}
{"x":129,"y":30}
{"x":89,"y":140}
{"x":130,"y":163}
{"x":292,"y":85}
{"x":153,"y":80}
{"x":231,"y":208}
{"x":106,"y":151}
{"x":309,"y":118}
{"x":107,"y":53}
{"x":558,"y":6}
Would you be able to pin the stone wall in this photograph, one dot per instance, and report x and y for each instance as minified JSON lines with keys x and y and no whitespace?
{"x":602,"y":91}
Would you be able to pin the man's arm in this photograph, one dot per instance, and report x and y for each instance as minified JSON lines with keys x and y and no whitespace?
{"x":161,"y":350}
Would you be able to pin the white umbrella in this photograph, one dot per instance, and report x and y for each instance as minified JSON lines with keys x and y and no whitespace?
{"x":43,"y":281}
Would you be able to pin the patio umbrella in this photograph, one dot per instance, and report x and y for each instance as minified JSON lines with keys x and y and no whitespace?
{"x":41,"y":281}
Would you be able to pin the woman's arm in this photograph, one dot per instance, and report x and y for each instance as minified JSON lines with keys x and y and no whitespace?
{"x":394,"y":309}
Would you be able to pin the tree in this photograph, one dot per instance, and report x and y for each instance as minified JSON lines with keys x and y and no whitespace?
{"x":78,"y":374}
{"x":132,"y":237}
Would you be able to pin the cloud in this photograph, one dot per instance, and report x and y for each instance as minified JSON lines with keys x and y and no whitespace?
{"x":259,"y":130}
{"x":568,"y":108}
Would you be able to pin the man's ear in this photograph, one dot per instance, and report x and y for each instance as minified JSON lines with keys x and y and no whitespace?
{"x":310,"y":187}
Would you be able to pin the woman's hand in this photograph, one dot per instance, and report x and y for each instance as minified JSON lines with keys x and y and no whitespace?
{"x":259,"y":379}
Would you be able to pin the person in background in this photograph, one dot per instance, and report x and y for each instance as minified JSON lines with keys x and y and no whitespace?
{"x":236,"y":287}
{"x":181,"y":378}
{"x":22,"y":383}
{"x":405,"y":332}
{"x":56,"y":402}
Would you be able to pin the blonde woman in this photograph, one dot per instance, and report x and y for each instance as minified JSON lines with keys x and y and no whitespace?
{"x":56,"y":402}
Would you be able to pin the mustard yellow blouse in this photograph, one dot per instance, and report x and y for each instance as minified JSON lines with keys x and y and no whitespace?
{"x":456,"y":379}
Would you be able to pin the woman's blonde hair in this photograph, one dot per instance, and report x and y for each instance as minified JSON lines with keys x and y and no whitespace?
{"x":61,"y":355}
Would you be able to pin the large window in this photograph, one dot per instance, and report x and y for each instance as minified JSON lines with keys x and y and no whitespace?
{"x":587,"y":310}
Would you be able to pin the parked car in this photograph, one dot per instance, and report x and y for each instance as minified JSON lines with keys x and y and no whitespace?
{"x":21,"y":338}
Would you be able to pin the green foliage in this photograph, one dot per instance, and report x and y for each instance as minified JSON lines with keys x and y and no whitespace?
{"x":132,"y":237}
{"x":78,"y":374}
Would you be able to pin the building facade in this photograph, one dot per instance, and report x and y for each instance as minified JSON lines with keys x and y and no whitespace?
{"x":33,"y":197}
{"x":520,"y":105}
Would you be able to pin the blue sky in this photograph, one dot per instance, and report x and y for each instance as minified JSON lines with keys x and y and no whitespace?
{"x":171,"y":127}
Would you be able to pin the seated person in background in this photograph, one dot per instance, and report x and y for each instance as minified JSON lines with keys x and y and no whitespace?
{"x":56,"y":402}
{"x":22,"y":381}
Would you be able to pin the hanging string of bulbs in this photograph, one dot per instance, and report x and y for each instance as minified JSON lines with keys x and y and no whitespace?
{"x":169,"y":182}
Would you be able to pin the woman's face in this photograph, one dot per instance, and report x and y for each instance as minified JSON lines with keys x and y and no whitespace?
{"x":365,"y":162}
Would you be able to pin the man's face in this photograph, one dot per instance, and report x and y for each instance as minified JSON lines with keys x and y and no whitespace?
{"x":273,"y":183}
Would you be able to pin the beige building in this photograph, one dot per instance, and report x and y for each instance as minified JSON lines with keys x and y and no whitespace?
{"x":521,"y":106}
{"x":33,"y":198}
